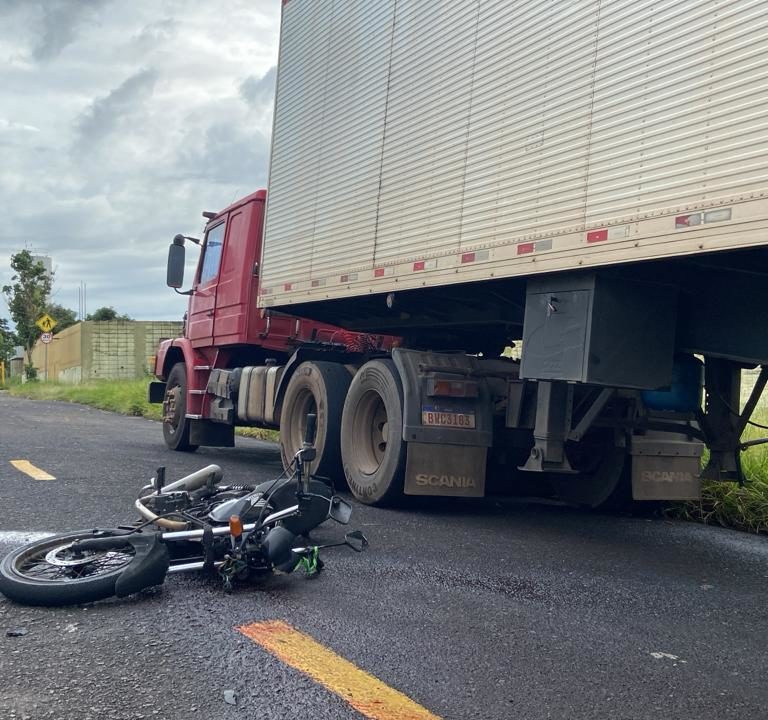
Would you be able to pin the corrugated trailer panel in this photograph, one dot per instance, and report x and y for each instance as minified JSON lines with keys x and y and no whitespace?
{"x":437,"y":142}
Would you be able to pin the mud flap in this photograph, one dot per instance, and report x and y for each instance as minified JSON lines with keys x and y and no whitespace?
{"x":666,"y":469}
{"x":449,"y":470}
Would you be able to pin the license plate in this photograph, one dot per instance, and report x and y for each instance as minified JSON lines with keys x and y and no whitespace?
{"x":441,"y":418}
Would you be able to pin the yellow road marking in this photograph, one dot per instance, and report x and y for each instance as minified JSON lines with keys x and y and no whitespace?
{"x":34,"y":472}
{"x":367,"y":694}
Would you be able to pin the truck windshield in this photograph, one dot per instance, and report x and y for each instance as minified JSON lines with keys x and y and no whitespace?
{"x":212,"y":254}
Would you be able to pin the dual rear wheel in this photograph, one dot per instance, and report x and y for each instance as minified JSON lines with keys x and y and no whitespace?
{"x":359,"y":426}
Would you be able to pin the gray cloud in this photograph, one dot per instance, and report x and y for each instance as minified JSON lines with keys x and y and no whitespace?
{"x":59,"y":21}
{"x":147,"y":97}
{"x":227,"y":153}
{"x":104,"y":114}
{"x":259,"y":91}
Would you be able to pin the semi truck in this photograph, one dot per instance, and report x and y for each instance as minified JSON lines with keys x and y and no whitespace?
{"x":505,"y":245}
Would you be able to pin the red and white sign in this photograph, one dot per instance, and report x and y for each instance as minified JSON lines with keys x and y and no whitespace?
{"x":46,"y":337}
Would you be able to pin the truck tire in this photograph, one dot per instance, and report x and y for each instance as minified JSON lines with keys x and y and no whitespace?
{"x":320,"y":388}
{"x":175,"y":422}
{"x":372,"y":447}
{"x":603,"y":481}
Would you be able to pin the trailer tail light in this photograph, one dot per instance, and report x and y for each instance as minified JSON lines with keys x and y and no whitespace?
{"x":525,"y":248}
{"x":445,"y":387}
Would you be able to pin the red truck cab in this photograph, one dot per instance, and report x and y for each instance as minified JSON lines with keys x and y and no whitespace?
{"x":228,"y":338}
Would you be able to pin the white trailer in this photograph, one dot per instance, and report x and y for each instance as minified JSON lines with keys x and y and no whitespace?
{"x":587,"y":176}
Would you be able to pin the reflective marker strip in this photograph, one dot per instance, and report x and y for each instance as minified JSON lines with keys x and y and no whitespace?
{"x":420,"y":265}
{"x":28,"y":468}
{"x":476,"y":256}
{"x":367,"y":694}
{"x":597,"y":236}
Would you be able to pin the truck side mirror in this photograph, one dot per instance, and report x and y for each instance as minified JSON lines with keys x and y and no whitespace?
{"x":175,"y":275}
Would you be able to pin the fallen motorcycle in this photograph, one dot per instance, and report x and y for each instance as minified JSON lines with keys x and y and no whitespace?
{"x":193,"y":524}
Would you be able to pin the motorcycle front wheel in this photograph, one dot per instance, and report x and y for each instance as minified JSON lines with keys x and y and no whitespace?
{"x":52,"y":572}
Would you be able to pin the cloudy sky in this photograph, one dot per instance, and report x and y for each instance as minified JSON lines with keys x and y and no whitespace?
{"x":120,"y":122}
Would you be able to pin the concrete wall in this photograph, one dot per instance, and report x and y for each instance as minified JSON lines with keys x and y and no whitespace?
{"x":102,"y":350}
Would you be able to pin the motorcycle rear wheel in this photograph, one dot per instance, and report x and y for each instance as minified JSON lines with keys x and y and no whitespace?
{"x":49,"y":572}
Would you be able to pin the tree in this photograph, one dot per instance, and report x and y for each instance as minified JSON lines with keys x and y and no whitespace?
{"x":64,"y":317}
{"x":8,"y":341}
{"x":27,"y":298}
{"x":106,"y":313}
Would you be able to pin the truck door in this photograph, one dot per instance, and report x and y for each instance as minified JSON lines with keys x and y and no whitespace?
{"x":203,"y":305}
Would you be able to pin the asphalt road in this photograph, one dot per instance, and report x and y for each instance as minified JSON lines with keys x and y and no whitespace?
{"x":488,"y":609}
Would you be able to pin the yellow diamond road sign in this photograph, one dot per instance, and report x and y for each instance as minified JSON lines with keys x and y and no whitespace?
{"x":46,"y":323}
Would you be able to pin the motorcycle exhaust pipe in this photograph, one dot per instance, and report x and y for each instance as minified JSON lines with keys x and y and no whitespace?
{"x":197,"y":479}
{"x":194,"y":481}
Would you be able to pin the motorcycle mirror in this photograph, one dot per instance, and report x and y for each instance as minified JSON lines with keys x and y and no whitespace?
{"x":340,"y":510}
{"x":356,"y":540}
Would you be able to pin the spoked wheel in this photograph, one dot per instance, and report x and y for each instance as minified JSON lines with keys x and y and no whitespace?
{"x":54,"y":572}
{"x":175,"y":422}
{"x":372,"y":446}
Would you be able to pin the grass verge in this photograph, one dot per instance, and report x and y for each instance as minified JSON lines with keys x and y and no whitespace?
{"x":744,"y":507}
{"x":127,"y":397}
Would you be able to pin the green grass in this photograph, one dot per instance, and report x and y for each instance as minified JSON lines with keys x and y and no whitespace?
{"x":729,"y":504}
{"x":127,"y":397}
{"x":723,"y":503}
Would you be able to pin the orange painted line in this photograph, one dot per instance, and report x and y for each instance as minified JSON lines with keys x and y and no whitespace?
{"x":365,"y":693}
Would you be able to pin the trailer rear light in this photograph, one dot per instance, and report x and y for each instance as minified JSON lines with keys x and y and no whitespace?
{"x":525,"y":248}
{"x":288,"y":287}
{"x":442,"y":387}
{"x":350,"y":277}
{"x":382,"y":271}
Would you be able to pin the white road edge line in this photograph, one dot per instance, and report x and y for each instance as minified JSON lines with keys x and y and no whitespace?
{"x":18,"y":537}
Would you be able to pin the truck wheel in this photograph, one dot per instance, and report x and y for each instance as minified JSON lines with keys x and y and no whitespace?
{"x":175,"y":422}
{"x":603,"y":480}
{"x":372,"y":446}
{"x":319,"y":388}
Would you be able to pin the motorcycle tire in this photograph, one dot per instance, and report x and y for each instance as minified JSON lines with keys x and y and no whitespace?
{"x":47,"y":572}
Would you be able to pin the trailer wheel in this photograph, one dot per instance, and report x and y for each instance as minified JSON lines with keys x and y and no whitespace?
{"x":175,"y":422}
{"x":319,"y":388}
{"x":372,"y":446}
{"x":603,"y":480}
